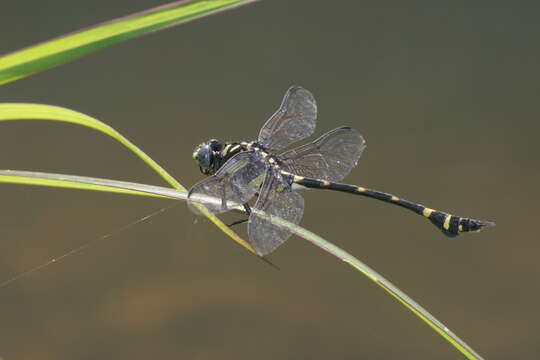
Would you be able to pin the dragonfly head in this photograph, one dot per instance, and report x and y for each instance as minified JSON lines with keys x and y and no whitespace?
{"x":207,"y":155}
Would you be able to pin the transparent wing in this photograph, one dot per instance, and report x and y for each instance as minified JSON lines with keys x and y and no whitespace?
{"x":278,"y":200}
{"x":235,"y":183}
{"x":330,"y":157}
{"x":293,"y":121}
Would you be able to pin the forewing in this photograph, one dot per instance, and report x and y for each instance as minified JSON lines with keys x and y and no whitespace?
{"x":330,"y":157}
{"x":274,"y":200}
{"x":235,"y":183}
{"x":293,"y":121}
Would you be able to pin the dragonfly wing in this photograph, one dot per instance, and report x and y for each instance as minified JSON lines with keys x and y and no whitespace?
{"x":330,"y":157}
{"x":235,"y":183}
{"x":275,"y":199}
{"x":293,"y":121}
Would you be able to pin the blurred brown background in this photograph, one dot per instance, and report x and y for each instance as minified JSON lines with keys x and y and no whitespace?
{"x":446,"y":97}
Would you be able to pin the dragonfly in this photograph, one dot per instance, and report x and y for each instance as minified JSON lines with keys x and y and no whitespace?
{"x":241,"y":171}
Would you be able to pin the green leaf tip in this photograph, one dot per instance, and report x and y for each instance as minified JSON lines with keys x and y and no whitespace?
{"x":51,"y":53}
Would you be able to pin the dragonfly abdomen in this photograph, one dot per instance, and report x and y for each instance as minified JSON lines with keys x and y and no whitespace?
{"x":450,"y":225}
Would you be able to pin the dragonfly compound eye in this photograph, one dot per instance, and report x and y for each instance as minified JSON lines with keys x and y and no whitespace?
{"x":204,"y":156}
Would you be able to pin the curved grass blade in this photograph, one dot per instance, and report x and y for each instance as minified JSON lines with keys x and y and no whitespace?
{"x":81,"y":182}
{"x":378,"y":279}
{"x":54,"y":52}
{"x":23,"y":111}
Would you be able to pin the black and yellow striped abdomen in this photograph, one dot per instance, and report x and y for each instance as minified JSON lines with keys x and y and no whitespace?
{"x":450,"y":225}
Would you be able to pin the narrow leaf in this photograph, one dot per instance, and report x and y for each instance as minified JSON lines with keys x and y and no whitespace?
{"x":22,"y":111}
{"x":57,"y":51}
{"x":81,"y":182}
{"x":378,"y":279}
{"x":88,"y":183}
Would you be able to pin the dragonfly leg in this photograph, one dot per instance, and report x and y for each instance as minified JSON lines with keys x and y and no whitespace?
{"x":248,"y":211}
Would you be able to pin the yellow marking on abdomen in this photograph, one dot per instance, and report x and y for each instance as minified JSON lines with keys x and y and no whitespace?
{"x":460,"y":227}
{"x":446,"y":224}
{"x":298,"y":178}
{"x":361,"y":189}
{"x":325,"y":182}
{"x":427,"y":212}
{"x":235,"y":147}
{"x":395,"y":198}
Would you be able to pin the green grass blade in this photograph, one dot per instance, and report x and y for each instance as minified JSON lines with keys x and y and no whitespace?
{"x":88,"y":183}
{"x":25,"y":111}
{"x":81,"y":182}
{"x":22,"y":111}
{"x":57,"y":51}
{"x":378,"y":279}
